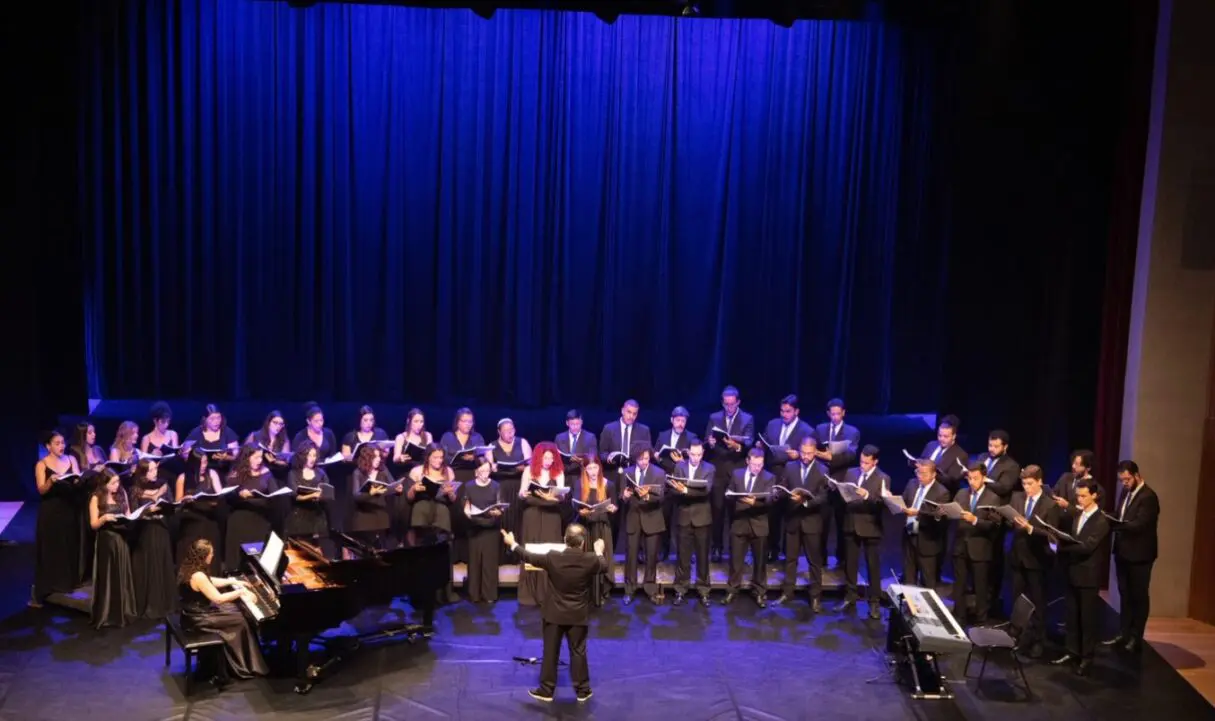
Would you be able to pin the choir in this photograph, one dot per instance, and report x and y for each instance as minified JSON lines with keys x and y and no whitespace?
{"x":116,"y":518}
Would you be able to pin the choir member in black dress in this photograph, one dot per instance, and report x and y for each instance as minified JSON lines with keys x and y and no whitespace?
{"x":481,"y":498}
{"x":408,"y":450}
{"x":463,"y":447}
{"x":90,"y":459}
{"x":205,"y":608}
{"x":272,"y":439}
{"x":370,"y":485}
{"x":432,"y":490}
{"x":89,"y":456}
{"x":315,"y":431}
{"x":113,"y":586}
{"x":509,"y":455}
{"x":213,"y":433}
{"x":151,"y":544}
{"x":124,"y":450}
{"x":200,"y":516}
{"x":252,"y":515}
{"x":161,"y":434}
{"x":594,"y":488}
{"x":308,"y":517}
{"x":544,"y":512}
{"x":57,"y":538}
{"x":366,"y":432}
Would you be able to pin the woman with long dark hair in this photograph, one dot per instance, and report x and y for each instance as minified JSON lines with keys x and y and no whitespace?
{"x":113,"y":586}
{"x":308,"y":517}
{"x":205,"y":608}
{"x":89,"y":456}
{"x":411,"y":443}
{"x":151,"y":544}
{"x":366,"y":432}
{"x":432,"y":490}
{"x":200,"y":516}
{"x":252,"y":515}
{"x":594,"y":488}
{"x":272,"y":439}
{"x":90,"y":459}
{"x":314,"y":430}
{"x":213,"y":434}
{"x":57,"y":538}
{"x":371,"y":484}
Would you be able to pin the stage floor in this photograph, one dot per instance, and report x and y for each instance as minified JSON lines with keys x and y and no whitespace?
{"x":685,"y":663}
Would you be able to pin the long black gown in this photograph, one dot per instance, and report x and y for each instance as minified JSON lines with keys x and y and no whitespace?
{"x":599,"y":527}
{"x":541,"y":523}
{"x":250,"y":521}
{"x":241,"y":649}
{"x":431,"y":509}
{"x":202,"y":518}
{"x":57,"y":540}
{"x":308,"y":519}
{"x":509,"y":478}
{"x":463,"y":472}
{"x":86,"y":458}
{"x":484,"y":540}
{"x":152,"y":567}
{"x":113,"y":585}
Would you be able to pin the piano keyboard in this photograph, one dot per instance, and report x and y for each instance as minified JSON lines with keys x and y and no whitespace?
{"x":264,"y":604}
{"x":933,"y":625}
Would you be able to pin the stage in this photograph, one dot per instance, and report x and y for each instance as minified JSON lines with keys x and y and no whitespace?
{"x":682,"y":663}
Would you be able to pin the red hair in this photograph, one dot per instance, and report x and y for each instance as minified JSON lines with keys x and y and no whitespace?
{"x":557,"y":470}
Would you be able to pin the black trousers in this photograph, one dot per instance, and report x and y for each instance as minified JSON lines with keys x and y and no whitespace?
{"x":1083,"y":605}
{"x":996,"y":579}
{"x":833,"y":517}
{"x":721,"y":513}
{"x":1134,"y":586}
{"x":853,"y":548}
{"x":633,"y":544}
{"x":919,"y":569}
{"x":758,"y":545}
{"x":776,"y":535}
{"x":670,"y":539}
{"x":693,"y":540}
{"x":797,"y":543}
{"x":482,"y":579}
{"x":1032,"y":583}
{"x":964,"y":569}
{"x":575,"y":639}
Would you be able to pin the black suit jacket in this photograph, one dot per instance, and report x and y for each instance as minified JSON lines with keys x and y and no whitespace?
{"x":806,"y":516}
{"x":1032,"y":550}
{"x":773,"y":462}
{"x":840,"y":462}
{"x":931,"y":529}
{"x":611,"y":440}
{"x":1063,"y":488}
{"x":694,"y":508}
{"x":570,"y":573}
{"x":664,"y":439}
{"x":586,"y":446}
{"x":751,"y":519}
{"x":644,"y":516}
{"x":1082,"y":561}
{"x":948,"y":470}
{"x":864,"y":518}
{"x":1135,"y":537}
{"x":975,"y":541}
{"x":744,"y":425}
{"x":1007,"y":476}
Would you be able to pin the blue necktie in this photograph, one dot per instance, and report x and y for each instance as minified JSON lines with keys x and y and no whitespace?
{"x":750,"y":482}
{"x":990,"y":462}
{"x":974,"y":501}
{"x":1029,"y":509}
{"x":914,"y":521}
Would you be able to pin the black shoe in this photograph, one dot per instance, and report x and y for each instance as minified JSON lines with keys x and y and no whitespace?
{"x":875,"y":611}
{"x":760,"y":600}
{"x":715,"y":557}
{"x":539,"y":695}
{"x":628,"y":598}
{"x":849,"y":604}
{"x":1115,"y":641}
{"x":704,"y":601}
{"x":816,"y":606}
{"x":221,"y":682}
{"x":585,"y":695}
{"x":784,"y":598}
{"x":729,"y":598}
{"x":1084,"y":667}
{"x":1133,"y":645}
{"x":678,"y":600}
{"x":656,"y":599}
{"x":1063,"y":660}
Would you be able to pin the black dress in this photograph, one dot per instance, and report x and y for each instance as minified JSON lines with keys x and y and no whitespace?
{"x":113,"y":586}
{"x":202,"y":518}
{"x":431,"y":509}
{"x":250,"y":521}
{"x":241,"y":649}
{"x":86,"y":458}
{"x":328,"y":445}
{"x":508,"y":478}
{"x":463,"y":472}
{"x":541,"y":523}
{"x":152,"y":567}
{"x":599,"y":528}
{"x":369,"y":517}
{"x":352,"y":438}
{"x":57,"y":539}
{"x":308,"y":518}
{"x":227,"y":437}
{"x":484,"y":542}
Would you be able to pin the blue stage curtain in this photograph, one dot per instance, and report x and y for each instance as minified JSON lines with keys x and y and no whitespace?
{"x":389,"y":203}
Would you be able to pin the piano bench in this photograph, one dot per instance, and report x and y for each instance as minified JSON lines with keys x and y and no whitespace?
{"x":190,"y":642}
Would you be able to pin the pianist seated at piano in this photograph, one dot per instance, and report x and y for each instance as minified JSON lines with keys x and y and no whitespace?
{"x":253,"y":513}
{"x":371,"y":485}
{"x":308,"y":516}
{"x":204,"y":607}
{"x":480,"y":500}
{"x":432,"y":490}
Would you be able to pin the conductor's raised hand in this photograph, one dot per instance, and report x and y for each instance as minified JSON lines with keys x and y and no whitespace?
{"x":508,"y":538}
{"x":599,"y":546}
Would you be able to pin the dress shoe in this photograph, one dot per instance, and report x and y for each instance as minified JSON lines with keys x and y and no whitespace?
{"x":1084,"y":667}
{"x":1064,"y":660}
{"x":729,"y":598}
{"x":628,"y":598}
{"x":816,"y":606}
{"x":678,"y":600}
{"x":760,"y":601}
{"x":540,"y":695}
{"x":875,"y":611}
{"x":849,"y":604}
{"x":704,"y":600}
{"x":1115,"y":641}
{"x":584,"y":695}
{"x":1133,"y":645}
{"x":784,"y":598}
{"x":656,"y":599}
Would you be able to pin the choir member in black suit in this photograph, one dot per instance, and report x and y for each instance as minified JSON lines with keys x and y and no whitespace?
{"x":113,"y":587}
{"x":315,"y":431}
{"x":308,"y":516}
{"x":272,"y":439}
{"x":57,"y":536}
{"x":1065,"y":487}
{"x":509,"y":456}
{"x":972,"y":545}
{"x":152,"y":567}
{"x":410,"y":444}
{"x":480,"y":500}
{"x":618,"y":442}
{"x":1136,"y":514}
{"x":863,"y":526}
{"x":694,"y":520}
{"x":200,"y":517}
{"x":213,"y":433}
{"x":780,"y":440}
{"x":727,"y":450}
{"x":749,"y":527}
{"x":205,"y":608}
{"x":253,"y":515}
{"x":432,"y":491}
{"x":924,"y":530}
{"x":593,"y":489}
{"x":124,"y":449}
{"x":1030,"y":557}
{"x":1004,"y":473}
{"x":161,"y":434}
{"x":90,"y":460}
{"x":644,"y":525}
{"x":803,"y":521}
{"x":575,"y":443}
{"x":835,"y":430}
{"x":951,"y":459}
{"x":366,"y":432}
{"x":1081,"y":562}
{"x":669,"y":451}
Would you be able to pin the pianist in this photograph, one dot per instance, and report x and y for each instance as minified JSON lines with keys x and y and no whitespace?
{"x":204,"y":607}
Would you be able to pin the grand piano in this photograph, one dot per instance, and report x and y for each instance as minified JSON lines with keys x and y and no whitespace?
{"x":299,"y":592}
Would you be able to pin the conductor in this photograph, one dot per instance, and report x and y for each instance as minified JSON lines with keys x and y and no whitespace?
{"x":564,"y":610}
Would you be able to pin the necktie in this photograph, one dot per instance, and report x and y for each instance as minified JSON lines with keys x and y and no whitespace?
{"x":730,"y":424}
{"x":628,"y":449}
{"x":1080,"y":522}
{"x":913,"y":522}
{"x":1029,"y":509}
{"x":990,"y":462}
{"x":831,"y":435}
{"x":936,"y":454}
{"x":573,"y":443}
{"x":784,"y":433}
{"x":749,"y":481}
{"x":805,"y":472}
{"x":974,"y":501}
{"x":1125,"y":502}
